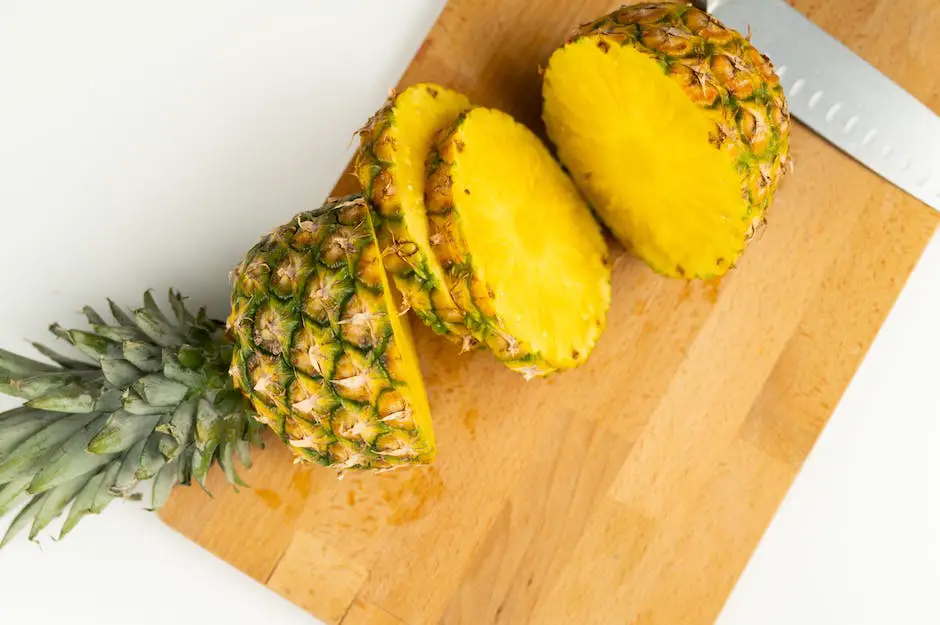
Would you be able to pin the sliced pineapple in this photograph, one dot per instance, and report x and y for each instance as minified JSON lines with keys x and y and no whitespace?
{"x":391,"y":167}
{"x":320,"y":348}
{"x":675,"y":128}
{"x":522,"y":255}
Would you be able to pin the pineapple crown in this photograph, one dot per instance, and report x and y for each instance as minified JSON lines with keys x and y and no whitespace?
{"x":150,"y":398}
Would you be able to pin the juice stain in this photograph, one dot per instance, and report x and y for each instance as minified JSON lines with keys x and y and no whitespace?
{"x":271,"y":499}
{"x":408,"y":496}
{"x":712,"y":288}
{"x":470,"y":421}
{"x":300,"y":482}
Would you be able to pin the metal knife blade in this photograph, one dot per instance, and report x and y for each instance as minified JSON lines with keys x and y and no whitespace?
{"x":841,"y":97}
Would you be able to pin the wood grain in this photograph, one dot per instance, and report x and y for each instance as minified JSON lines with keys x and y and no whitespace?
{"x":634,"y":489}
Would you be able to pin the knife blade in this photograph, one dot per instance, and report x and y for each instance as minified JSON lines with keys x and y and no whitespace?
{"x":841,"y":97}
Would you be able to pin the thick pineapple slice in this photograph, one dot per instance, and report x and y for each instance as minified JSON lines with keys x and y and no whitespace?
{"x":391,"y":168}
{"x":320,"y":349}
{"x":675,"y":128}
{"x":522,"y":255}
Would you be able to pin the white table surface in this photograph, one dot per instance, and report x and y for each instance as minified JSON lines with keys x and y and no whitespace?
{"x":147,"y":145}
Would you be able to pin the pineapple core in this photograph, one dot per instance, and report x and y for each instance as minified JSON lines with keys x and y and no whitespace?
{"x":643,"y":153}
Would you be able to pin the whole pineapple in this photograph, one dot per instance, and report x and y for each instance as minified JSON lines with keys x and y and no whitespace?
{"x":151,"y":399}
{"x":321,"y":350}
{"x":676,"y":129}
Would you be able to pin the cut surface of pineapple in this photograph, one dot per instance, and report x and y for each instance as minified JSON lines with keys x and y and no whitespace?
{"x":675,"y":128}
{"x":320,"y":349}
{"x":391,"y":168}
{"x":522,"y":254}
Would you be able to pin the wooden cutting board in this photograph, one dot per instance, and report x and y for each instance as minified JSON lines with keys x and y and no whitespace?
{"x":634,"y":489}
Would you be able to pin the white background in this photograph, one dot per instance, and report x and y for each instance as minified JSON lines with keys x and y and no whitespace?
{"x":147,"y":145}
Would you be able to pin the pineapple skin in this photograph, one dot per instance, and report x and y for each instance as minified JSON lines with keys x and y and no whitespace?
{"x":406,"y":258}
{"x":320,"y":349}
{"x":728,"y":79}
{"x":471,"y":293}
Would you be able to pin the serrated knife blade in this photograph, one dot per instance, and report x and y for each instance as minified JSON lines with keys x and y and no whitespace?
{"x":841,"y":97}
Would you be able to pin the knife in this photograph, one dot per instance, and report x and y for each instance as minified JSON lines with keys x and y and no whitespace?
{"x":841,"y":97}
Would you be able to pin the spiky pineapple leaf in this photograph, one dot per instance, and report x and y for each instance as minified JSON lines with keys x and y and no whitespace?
{"x":83,"y":502}
{"x":177,"y":303}
{"x":208,"y":423}
{"x":118,"y":334}
{"x":55,"y":502}
{"x":151,"y":458}
{"x":120,"y":316}
{"x":13,"y":493}
{"x":93,"y":317}
{"x":202,"y":462}
{"x":14,"y":364}
{"x":227,"y":462}
{"x":78,"y":398}
{"x":70,"y":460}
{"x":106,"y":494}
{"x":135,"y":404}
{"x":184,"y":466}
{"x":119,"y":372}
{"x":94,"y":346}
{"x":180,"y":425}
{"x":63,"y":361}
{"x":175,"y":370}
{"x":32,"y":453}
{"x":24,"y":518}
{"x":122,"y":430}
{"x":163,"y":484}
{"x":157,"y":328}
{"x":144,"y":356}
{"x":36,"y":385}
{"x":20,"y":424}
{"x":157,"y":390}
{"x":125,"y":480}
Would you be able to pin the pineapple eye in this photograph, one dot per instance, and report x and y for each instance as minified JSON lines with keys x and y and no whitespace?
{"x":289,"y":273}
{"x":273,"y":327}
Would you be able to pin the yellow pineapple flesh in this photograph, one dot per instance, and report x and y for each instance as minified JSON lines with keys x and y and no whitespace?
{"x":522,"y":255}
{"x":675,"y":128}
{"x":320,"y":349}
{"x":391,"y":168}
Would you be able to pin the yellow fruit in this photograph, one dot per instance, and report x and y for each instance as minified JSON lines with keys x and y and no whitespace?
{"x":391,"y":167}
{"x":320,"y":349}
{"x":522,"y":255}
{"x":675,"y":128}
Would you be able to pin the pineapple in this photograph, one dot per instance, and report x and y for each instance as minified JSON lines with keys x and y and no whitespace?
{"x":522,"y":255}
{"x":152,"y":400}
{"x":321,"y":351}
{"x":391,"y":167}
{"x":676,"y":129}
